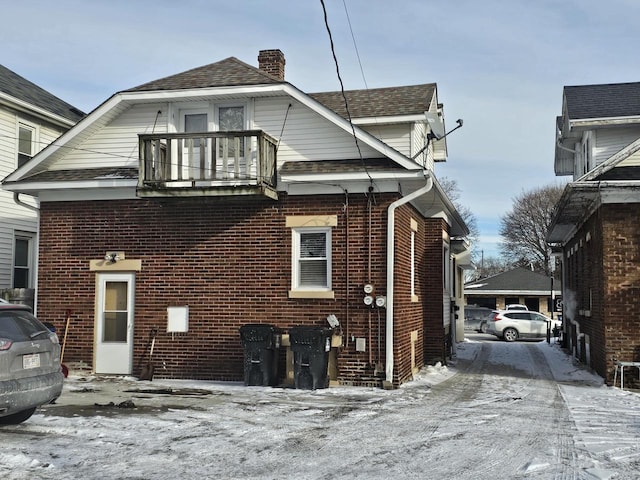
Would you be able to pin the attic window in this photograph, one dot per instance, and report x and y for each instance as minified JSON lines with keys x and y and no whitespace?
{"x":26,"y":143}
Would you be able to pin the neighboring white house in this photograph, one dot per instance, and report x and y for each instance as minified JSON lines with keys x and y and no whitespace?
{"x":30,"y":119}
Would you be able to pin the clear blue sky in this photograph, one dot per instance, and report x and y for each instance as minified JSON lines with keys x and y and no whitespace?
{"x":500,"y":65}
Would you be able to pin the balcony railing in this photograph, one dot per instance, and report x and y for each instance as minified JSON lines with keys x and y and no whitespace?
{"x":238,"y":162}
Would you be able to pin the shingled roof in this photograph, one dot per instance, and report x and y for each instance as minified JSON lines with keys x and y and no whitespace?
{"x":603,"y":101}
{"x":380,"y":102}
{"x":22,"y":89}
{"x":520,"y":279}
{"x":225,"y":73}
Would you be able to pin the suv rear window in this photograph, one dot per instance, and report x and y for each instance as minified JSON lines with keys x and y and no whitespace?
{"x":20,"y":326}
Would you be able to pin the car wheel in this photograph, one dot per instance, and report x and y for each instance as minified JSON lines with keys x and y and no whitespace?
{"x":18,"y":417}
{"x":510,"y":334}
{"x":484,"y":327}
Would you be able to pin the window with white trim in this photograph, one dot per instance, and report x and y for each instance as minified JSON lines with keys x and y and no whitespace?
{"x":446,"y":267}
{"x":26,"y":142}
{"x":23,"y":260}
{"x":414,"y":229}
{"x":311,"y":258}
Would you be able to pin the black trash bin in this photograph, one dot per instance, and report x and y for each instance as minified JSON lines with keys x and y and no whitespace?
{"x":310,"y":347}
{"x":261,"y":343}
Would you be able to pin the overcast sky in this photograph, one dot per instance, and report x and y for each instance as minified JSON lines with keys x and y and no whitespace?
{"x":500,"y":65}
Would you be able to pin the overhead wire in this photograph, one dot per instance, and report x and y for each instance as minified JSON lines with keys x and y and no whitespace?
{"x":342,"y":91}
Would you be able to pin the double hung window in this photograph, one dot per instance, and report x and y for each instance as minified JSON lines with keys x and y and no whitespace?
{"x":22,"y":261}
{"x":312,"y":247}
{"x":311,"y":255}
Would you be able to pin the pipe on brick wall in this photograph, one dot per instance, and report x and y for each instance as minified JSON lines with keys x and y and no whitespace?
{"x":390,"y":272}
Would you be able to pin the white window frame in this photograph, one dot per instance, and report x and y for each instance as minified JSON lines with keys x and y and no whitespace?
{"x":295,"y":262}
{"x":30,"y":238}
{"x":414,"y":229}
{"x":218,"y":106}
{"x":446,"y":266}
{"x":35,"y":136}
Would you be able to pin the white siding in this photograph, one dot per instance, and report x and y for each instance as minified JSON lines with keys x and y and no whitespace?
{"x":419,"y":137}
{"x":611,"y":140}
{"x":116,"y":145}
{"x":631,"y":161}
{"x":306,"y":135}
{"x":397,"y":136}
{"x":13,"y":217}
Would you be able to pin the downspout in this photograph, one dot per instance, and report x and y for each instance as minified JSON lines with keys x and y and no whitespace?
{"x":16,"y":198}
{"x":390,"y":273}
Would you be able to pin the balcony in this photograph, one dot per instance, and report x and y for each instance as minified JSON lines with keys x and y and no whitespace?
{"x":207,"y":163}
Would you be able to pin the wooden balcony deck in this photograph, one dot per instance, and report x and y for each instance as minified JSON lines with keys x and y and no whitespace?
{"x":207,"y":163}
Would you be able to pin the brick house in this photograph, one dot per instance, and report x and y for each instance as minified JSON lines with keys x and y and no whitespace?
{"x":595,"y":228}
{"x":224,"y":196}
{"x":30,"y":119}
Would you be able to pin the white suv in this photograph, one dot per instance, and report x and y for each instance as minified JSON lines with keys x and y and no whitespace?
{"x":516,"y":306}
{"x":511,"y":325}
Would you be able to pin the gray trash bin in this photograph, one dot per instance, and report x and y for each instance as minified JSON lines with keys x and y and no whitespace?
{"x":261,"y":344}
{"x":310,"y":347}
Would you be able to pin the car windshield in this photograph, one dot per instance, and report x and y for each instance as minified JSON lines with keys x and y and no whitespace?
{"x":20,"y":326}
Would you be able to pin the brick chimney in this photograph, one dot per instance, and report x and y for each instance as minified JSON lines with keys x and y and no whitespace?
{"x":272,"y":62}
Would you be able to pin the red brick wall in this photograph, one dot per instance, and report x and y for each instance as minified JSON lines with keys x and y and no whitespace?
{"x":435,"y":335}
{"x":408,"y":315}
{"x":604,"y":275}
{"x":230,"y":261}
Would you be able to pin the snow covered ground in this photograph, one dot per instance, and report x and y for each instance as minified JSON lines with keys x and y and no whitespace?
{"x":500,"y":411}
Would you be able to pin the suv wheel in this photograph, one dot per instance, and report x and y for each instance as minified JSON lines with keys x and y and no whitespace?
{"x":510,"y":334}
{"x":484,"y":327}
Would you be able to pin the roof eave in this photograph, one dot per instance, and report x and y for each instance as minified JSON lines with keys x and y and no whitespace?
{"x":34,"y":110}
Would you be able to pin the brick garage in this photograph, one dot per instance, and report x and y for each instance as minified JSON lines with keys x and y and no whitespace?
{"x":230,"y":261}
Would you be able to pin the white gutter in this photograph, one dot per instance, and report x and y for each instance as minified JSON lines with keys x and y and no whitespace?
{"x":390,"y":270}
{"x":16,"y":198}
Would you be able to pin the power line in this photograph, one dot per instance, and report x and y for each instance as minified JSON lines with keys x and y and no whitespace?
{"x":344,"y":96}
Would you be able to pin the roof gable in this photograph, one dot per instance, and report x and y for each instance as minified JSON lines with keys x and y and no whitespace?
{"x":22,"y":89}
{"x":227,"y":72}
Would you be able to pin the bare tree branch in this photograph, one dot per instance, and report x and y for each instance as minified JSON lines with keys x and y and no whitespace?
{"x":524,"y":229}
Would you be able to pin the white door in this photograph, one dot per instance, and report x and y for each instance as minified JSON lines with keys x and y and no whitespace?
{"x":114,"y":323}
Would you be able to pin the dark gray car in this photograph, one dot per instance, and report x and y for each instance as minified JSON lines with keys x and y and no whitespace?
{"x":30,"y":373}
{"x":477,"y":318}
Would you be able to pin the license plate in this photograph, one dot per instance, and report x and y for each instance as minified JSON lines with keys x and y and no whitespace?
{"x":31,"y":361}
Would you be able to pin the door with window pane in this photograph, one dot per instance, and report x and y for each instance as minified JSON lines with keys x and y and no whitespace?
{"x":114,"y":324}
{"x":195,"y":157}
